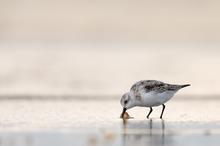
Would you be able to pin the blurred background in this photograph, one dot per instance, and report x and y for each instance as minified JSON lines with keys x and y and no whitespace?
{"x":101,"y":47}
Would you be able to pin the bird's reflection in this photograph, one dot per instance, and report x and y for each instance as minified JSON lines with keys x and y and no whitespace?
{"x":143,"y":132}
{"x":163,"y":132}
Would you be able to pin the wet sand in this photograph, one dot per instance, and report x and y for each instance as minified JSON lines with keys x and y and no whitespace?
{"x":96,"y":122}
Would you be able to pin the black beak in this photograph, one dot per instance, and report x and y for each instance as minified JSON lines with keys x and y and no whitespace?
{"x":123,"y":112}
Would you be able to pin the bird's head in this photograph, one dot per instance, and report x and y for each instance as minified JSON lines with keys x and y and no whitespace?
{"x":126,"y":102}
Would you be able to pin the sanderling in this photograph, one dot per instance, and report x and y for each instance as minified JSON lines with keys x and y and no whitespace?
{"x":149,"y":93}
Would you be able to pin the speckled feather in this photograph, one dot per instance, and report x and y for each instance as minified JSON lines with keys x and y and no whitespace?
{"x":154,"y":85}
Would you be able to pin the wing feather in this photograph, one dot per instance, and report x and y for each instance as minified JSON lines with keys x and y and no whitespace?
{"x":152,"y":85}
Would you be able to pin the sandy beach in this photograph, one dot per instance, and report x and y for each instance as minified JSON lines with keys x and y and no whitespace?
{"x":64,"y":66}
{"x":96,"y":122}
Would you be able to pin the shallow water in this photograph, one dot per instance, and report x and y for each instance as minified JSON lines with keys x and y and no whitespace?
{"x":97,"y":122}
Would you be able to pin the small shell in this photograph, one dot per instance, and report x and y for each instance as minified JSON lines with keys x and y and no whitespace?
{"x":126,"y":116}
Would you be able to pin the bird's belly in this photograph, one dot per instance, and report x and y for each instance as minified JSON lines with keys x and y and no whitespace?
{"x":156,"y":99}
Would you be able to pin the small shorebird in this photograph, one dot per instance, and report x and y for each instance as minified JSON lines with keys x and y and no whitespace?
{"x":149,"y":93}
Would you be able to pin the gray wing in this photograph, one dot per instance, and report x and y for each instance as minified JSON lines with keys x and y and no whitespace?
{"x":153,"y":85}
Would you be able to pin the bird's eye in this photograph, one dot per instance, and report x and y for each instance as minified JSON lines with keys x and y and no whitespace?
{"x":126,"y":102}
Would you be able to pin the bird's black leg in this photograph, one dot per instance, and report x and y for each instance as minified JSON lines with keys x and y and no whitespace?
{"x":149,"y":112}
{"x":162,"y":111}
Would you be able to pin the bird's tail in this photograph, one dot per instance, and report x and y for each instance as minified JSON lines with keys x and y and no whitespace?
{"x":186,"y":85}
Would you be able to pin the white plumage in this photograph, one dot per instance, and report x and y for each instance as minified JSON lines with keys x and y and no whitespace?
{"x":149,"y":93}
